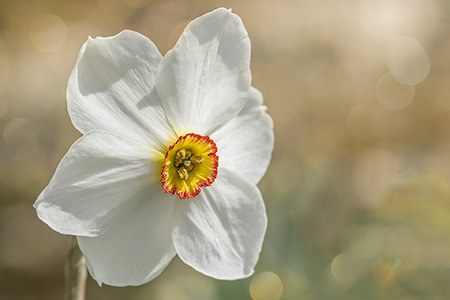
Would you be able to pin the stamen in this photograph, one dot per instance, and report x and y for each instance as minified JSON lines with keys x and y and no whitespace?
{"x":183,"y":173}
{"x":197,"y":160}
{"x":181,"y":153}
{"x":185,"y":162}
{"x":179,"y":157}
{"x":189,"y":164}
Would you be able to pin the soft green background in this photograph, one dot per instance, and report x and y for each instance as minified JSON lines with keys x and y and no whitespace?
{"x":357,"y":193}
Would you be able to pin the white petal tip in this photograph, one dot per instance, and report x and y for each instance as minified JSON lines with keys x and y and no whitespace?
{"x":221,"y":10}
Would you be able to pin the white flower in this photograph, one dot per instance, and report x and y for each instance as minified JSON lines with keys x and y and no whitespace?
{"x":171,"y":152}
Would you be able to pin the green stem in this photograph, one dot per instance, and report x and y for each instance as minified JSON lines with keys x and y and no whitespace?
{"x":76,"y":273}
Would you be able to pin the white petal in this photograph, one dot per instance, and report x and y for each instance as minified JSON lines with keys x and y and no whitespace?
{"x":111,"y":88}
{"x":245,"y":143}
{"x":220,"y":232}
{"x":254,"y":103}
{"x":139,"y":245}
{"x":99,"y":174}
{"x":204,"y":80}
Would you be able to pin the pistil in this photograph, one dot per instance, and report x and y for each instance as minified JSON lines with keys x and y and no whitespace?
{"x":185,"y":162}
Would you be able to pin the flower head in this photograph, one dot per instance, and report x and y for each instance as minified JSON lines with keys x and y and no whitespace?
{"x":171,"y":152}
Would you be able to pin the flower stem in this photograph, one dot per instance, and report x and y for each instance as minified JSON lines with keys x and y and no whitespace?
{"x":76,"y":273}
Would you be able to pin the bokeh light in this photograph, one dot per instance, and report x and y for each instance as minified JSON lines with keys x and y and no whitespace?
{"x":346,"y":269}
{"x":407,"y":60}
{"x":48,"y":32}
{"x":392,"y":94}
{"x":266,"y":286}
{"x":385,"y":271}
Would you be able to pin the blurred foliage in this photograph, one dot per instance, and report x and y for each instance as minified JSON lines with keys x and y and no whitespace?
{"x":357,"y":194}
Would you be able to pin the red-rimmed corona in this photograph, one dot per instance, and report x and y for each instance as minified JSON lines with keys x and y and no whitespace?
{"x":189,"y":164}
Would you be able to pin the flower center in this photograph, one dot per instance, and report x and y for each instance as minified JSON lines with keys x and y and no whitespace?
{"x":190,"y":163}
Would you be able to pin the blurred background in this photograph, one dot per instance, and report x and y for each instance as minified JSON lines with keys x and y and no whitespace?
{"x":357,"y":194}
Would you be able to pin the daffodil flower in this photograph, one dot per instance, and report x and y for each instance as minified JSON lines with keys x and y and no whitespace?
{"x":171,"y":152}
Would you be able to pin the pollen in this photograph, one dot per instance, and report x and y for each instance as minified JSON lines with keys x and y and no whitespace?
{"x":189,"y":164}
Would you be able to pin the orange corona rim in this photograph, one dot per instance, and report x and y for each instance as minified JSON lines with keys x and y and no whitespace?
{"x":189,"y":164}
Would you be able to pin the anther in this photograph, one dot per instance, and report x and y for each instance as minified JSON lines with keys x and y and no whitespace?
{"x":182,"y":173}
{"x":181,"y":153}
{"x":179,"y":157}
{"x":190,"y":167}
{"x":196,"y":160}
